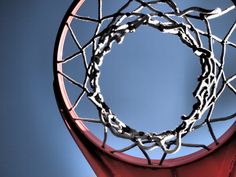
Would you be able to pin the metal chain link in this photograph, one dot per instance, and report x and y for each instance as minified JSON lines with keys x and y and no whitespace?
{"x":211,"y":83}
{"x":206,"y":92}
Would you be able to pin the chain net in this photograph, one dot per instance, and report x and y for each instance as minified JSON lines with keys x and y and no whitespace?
{"x":211,"y":84}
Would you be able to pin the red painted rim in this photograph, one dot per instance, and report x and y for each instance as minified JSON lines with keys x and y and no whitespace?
{"x":63,"y":99}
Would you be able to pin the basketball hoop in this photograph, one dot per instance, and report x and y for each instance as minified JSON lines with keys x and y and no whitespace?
{"x":113,"y":28}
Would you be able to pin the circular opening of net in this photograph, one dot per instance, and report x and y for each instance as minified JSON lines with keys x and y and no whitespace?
{"x":192,"y":26}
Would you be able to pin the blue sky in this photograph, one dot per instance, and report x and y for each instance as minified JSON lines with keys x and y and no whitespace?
{"x":34,"y":140}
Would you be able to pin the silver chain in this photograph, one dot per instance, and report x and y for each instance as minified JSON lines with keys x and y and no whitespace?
{"x":206,"y":92}
{"x":211,"y":84}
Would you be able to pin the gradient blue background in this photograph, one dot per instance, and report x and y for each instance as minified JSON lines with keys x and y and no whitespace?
{"x":34,"y":140}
